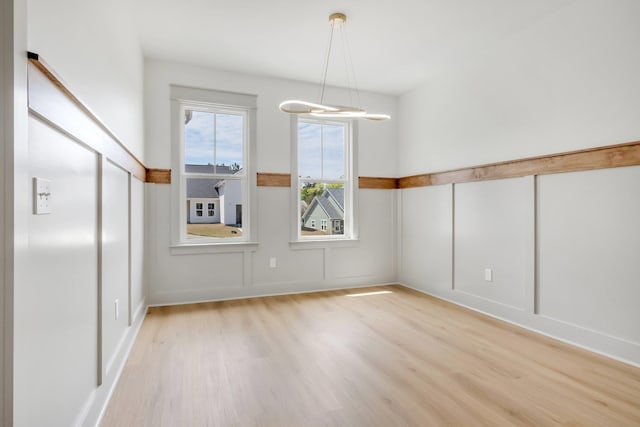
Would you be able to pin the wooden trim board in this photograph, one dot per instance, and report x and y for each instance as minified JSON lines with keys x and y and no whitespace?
{"x":611,"y":156}
{"x":51,"y":100}
{"x":371,"y":182}
{"x":159,"y":176}
{"x":266,"y":179}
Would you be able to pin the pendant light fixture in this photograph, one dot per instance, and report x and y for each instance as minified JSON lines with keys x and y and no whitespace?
{"x":320,"y":109}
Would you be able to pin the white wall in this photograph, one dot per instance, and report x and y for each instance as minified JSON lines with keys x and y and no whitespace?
{"x":115,"y":261}
{"x":137,"y":300}
{"x":56,"y":303}
{"x":190,"y":277}
{"x":61,"y":329}
{"x":566,"y":82}
{"x":563,"y":247}
{"x":589,"y":246}
{"x":94,"y":47}
{"x":79,"y":259}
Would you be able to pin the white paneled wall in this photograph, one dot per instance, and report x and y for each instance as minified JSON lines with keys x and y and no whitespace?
{"x":563,"y":249}
{"x":56,"y":333}
{"x":115,"y":261}
{"x":137,"y":299}
{"x":69,"y":345}
{"x":589,"y":250}
{"x":177,"y":276}
{"x":231,"y":273}
{"x":426,"y":239}
{"x":490,"y":233}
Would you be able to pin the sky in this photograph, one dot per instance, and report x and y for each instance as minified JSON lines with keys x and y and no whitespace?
{"x":202,"y":148}
{"x":320,"y":155}
{"x":321,"y":150}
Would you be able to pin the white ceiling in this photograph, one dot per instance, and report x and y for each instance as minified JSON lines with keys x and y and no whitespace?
{"x":395,"y":45}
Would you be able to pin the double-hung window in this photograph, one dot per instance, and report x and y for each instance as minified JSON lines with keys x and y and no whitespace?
{"x":213,"y":136}
{"x":324,"y":170}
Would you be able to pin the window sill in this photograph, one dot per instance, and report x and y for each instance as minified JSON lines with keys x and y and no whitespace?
{"x":211,"y":248}
{"x":323,"y":243}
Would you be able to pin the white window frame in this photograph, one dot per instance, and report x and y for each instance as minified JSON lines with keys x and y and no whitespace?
{"x":183,"y":98}
{"x":323,"y":224}
{"x":350,"y":230}
{"x":211,"y":211}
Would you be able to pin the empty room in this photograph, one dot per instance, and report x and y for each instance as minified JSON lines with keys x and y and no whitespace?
{"x":293,"y":213}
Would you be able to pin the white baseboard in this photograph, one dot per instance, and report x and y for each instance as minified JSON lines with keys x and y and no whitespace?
{"x":627,"y":352}
{"x":261,"y":290}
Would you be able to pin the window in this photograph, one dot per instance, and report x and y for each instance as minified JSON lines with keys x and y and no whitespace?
{"x":214,"y":134}
{"x":325,"y":171}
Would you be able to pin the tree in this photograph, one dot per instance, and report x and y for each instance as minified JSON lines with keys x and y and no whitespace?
{"x":309,"y":190}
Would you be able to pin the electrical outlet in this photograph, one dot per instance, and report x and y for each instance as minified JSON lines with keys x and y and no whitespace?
{"x":41,"y":196}
{"x":272,"y":262}
{"x":488,"y":275}
{"x":116,"y":305}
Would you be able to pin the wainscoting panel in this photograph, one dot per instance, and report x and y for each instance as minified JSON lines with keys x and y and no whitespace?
{"x":563,"y":249}
{"x":72,"y":342}
{"x":137,"y":299}
{"x":115,"y":260}
{"x":589,"y":250}
{"x":57,"y":330}
{"x":427,"y":237}
{"x":489,"y":233}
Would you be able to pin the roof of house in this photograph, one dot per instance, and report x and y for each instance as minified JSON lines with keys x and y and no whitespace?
{"x":202,"y":188}
{"x":338,"y":195}
{"x":206,"y":188}
{"x":333,"y":210}
{"x":221,"y":169}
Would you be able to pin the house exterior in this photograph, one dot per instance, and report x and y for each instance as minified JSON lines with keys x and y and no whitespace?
{"x":212,"y":201}
{"x":326,"y":212}
{"x":230,"y":200}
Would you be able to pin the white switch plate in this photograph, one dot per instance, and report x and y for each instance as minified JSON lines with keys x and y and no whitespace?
{"x":488,"y":275}
{"x":41,"y":196}
{"x":273,"y":262}
{"x":116,"y":305}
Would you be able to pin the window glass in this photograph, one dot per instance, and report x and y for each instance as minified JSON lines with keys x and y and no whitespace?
{"x":199,"y":138}
{"x":213,"y":171}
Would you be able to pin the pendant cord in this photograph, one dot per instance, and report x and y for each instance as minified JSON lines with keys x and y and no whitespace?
{"x":353,"y":69}
{"x":326,"y":65}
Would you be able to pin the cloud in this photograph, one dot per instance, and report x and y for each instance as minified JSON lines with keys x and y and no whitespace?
{"x":321,"y":150}
{"x":203,"y":147}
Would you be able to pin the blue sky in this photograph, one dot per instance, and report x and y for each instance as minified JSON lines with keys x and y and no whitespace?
{"x":320,"y":158}
{"x":200,"y":141}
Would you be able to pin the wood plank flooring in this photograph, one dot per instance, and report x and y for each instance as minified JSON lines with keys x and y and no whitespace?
{"x":387,"y":359}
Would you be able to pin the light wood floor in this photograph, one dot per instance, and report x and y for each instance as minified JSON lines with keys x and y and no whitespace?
{"x":393,"y":359}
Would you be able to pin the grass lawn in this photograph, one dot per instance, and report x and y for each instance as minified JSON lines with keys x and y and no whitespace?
{"x":212,"y":230}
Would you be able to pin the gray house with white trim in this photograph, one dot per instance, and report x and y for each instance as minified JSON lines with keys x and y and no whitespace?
{"x":211,"y":201}
{"x":326,"y":212}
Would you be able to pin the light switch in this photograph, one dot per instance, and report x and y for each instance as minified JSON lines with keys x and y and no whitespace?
{"x":41,"y":196}
{"x":488,"y":275}
{"x":272,"y":262}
